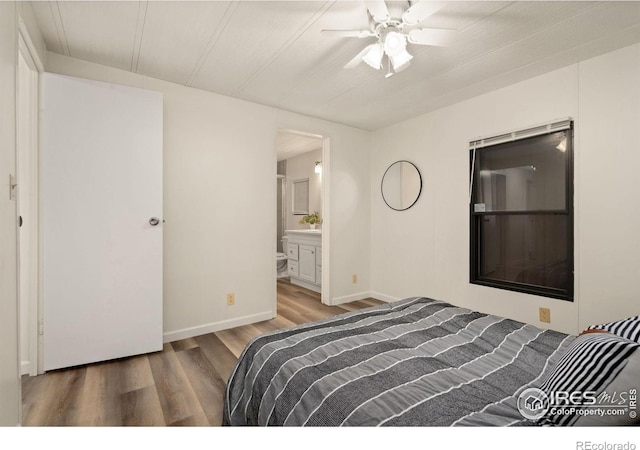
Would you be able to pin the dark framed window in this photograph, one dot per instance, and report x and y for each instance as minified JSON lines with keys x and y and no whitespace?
{"x":521,"y":211}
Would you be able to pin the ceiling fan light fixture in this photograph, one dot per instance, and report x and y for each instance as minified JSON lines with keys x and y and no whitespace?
{"x":394,"y":43}
{"x":400,"y":60}
{"x":395,"y":46}
{"x":389,"y":73}
{"x":374,"y":56}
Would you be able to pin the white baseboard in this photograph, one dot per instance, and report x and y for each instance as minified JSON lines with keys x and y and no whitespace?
{"x":185,"y":333}
{"x":350,"y":298}
{"x":384,"y":297}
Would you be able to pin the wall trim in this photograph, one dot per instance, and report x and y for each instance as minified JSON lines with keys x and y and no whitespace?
{"x":384,"y":297}
{"x":216,"y":326}
{"x":30,"y":47}
{"x":325,"y":238}
{"x":28,"y":157}
{"x":25,"y":368}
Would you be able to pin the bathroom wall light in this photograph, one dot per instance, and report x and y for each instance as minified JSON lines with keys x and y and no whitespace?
{"x":318,"y":168}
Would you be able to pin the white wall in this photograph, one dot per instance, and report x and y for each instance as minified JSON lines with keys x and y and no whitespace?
{"x":9,"y":370}
{"x":220,"y":201}
{"x":608,"y":220}
{"x":300,"y":167}
{"x":425,"y":250}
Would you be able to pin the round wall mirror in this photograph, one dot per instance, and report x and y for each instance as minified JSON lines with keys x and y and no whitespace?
{"x":401,"y":185}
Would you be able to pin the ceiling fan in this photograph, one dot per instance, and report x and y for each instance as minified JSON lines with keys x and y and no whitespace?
{"x":394,"y":25}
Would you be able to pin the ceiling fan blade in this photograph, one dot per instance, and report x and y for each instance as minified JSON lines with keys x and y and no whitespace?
{"x":378,"y":10}
{"x":420,"y":10}
{"x":347,"y":33}
{"x":358,"y":58}
{"x":431,"y":36}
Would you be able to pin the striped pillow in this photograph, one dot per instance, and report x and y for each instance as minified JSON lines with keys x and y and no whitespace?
{"x":627,"y":328}
{"x":590,"y":364}
{"x":627,"y":381}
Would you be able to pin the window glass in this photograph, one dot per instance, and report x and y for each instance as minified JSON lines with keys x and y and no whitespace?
{"x":525,"y":249}
{"x":525,"y":175}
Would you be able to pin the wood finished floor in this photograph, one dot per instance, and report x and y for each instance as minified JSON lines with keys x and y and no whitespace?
{"x":183,"y":385}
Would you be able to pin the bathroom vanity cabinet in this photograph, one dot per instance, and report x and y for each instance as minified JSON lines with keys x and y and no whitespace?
{"x":304,"y":256}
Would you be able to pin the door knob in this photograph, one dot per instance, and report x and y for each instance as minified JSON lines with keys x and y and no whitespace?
{"x":154,"y":221}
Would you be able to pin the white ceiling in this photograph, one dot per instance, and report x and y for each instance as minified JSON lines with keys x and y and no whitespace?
{"x":271,"y":52}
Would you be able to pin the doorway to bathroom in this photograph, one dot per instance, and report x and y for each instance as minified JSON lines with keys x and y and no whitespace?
{"x":301,"y":218}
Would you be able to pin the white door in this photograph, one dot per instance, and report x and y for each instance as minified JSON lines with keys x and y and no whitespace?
{"x":307,"y":263}
{"x":101,"y":182}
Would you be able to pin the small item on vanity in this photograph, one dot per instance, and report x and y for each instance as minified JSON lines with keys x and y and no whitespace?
{"x":312,"y":219}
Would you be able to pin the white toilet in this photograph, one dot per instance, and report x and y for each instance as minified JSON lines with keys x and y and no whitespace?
{"x":281,"y":260}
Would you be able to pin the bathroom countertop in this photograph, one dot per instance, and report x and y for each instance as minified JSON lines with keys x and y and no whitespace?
{"x":313,"y":232}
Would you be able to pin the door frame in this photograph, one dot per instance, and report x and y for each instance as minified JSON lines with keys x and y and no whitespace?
{"x":27,"y":157}
{"x":326,"y":221}
{"x":325,"y":288}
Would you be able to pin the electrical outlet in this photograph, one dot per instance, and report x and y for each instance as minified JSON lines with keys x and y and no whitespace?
{"x":354,"y":278}
{"x":545,"y":315}
{"x":231,"y":299}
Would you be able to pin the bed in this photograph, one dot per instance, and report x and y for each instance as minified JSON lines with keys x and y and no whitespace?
{"x":416,"y":362}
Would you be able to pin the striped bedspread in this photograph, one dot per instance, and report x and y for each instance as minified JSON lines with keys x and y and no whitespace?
{"x":417,"y":362}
